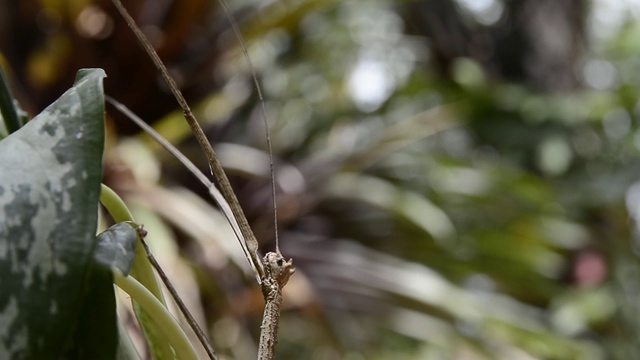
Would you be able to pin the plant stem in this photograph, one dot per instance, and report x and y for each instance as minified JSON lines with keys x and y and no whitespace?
{"x":183,"y":308}
{"x":114,"y":204}
{"x":167,"y":325}
{"x":126,"y":350}
{"x":141,"y":270}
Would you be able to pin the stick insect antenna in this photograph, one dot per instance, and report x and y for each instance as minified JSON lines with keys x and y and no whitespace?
{"x":225,"y":187}
{"x":272,"y":271}
{"x":263,"y":110}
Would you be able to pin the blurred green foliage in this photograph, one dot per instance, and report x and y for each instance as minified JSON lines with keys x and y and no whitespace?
{"x":456,"y":178}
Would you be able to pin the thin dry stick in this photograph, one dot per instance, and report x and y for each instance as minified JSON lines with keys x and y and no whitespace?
{"x":273,"y":270}
{"x":174,"y":294}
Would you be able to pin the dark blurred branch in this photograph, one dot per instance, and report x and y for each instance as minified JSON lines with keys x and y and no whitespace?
{"x":535,"y":41}
{"x":7,"y":106}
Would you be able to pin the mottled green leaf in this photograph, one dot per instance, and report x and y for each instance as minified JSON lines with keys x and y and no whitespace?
{"x":95,"y":335}
{"x":49,"y":188}
{"x":116,"y":247}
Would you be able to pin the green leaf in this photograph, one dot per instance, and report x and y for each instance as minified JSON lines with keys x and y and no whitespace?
{"x":49,"y":188}
{"x":144,"y":272}
{"x":116,"y":247}
{"x":95,"y":335}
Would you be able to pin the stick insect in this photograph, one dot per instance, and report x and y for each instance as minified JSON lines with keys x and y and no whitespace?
{"x":273,"y":270}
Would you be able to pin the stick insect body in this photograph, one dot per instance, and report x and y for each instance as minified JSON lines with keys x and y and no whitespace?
{"x":273,"y":270}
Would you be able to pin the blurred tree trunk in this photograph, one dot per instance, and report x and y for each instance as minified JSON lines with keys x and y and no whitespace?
{"x":539,"y":42}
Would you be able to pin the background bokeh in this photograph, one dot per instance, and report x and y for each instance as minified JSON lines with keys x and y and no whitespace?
{"x":457,"y":179}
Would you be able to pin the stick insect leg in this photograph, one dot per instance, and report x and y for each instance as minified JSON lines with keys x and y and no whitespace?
{"x":183,"y":308}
